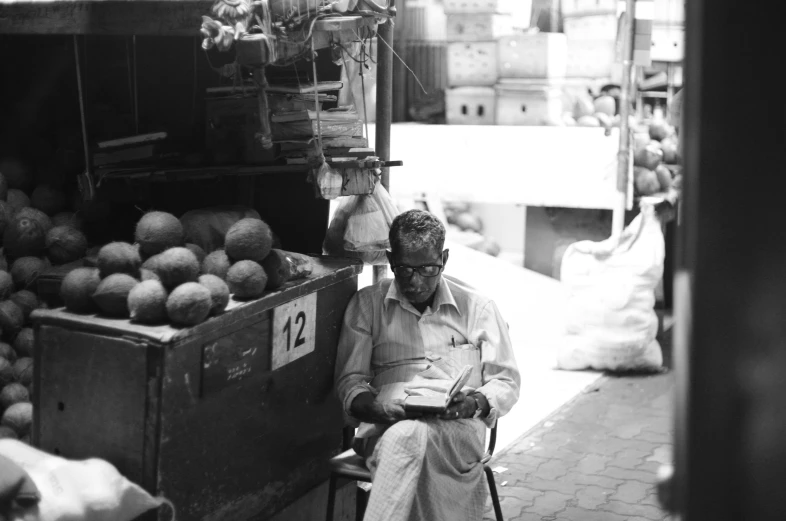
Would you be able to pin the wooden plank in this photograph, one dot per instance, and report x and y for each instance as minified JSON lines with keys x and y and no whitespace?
{"x":172,"y":18}
{"x":90,"y":398}
{"x":327,"y":271}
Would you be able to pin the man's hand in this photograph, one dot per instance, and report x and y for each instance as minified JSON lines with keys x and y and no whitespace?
{"x":370,"y":410}
{"x":462,"y":406}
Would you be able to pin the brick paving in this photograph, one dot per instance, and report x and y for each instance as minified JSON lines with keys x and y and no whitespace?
{"x":594,"y":459}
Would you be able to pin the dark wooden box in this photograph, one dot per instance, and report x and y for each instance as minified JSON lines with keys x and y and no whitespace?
{"x":201,"y":415}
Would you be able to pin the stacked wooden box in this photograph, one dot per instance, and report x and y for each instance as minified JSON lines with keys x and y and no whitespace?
{"x":473,"y":28}
{"x":532,"y":75}
{"x":591,"y":30}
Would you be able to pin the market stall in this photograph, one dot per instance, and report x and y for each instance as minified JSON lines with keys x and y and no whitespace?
{"x":138,"y":158}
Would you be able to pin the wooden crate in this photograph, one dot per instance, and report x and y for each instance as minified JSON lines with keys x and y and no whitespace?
{"x":591,"y":27}
{"x":592,"y":59}
{"x":479,"y":6}
{"x":529,"y":102}
{"x":472,"y":64}
{"x":586,"y":7}
{"x":478,"y":27}
{"x":541,"y":55}
{"x":668,"y":43}
{"x":470,"y":106}
{"x":232,"y":419}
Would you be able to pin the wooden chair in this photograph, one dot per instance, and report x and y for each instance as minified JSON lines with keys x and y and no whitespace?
{"x":348,"y":465}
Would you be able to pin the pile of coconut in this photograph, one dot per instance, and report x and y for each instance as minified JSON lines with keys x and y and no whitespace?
{"x":37,"y":232}
{"x":162,"y":279}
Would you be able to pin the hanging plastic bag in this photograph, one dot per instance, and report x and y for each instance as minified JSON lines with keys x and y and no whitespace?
{"x":360,"y":227}
{"x":611,"y":323}
{"x":87,"y":490}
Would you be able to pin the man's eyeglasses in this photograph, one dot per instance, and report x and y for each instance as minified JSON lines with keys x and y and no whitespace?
{"x":427,"y":270}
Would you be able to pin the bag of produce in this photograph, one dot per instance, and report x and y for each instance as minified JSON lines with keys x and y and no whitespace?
{"x":610,"y":318}
{"x":88,"y":490}
{"x":360,"y":227}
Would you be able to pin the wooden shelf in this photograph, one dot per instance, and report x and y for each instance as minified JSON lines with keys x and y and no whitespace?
{"x":171,"y":174}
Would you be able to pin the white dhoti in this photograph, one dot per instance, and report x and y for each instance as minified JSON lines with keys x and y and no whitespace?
{"x":427,"y":470}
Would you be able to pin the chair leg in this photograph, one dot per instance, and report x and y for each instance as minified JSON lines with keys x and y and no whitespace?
{"x":493,"y":490}
{"x":331,"y":506}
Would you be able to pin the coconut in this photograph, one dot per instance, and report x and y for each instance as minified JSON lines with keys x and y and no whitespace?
{"x":6,"y":285}
{"x":147,"y":302}
{"x":6,"y":215}
{"x":588,"y":121}
{"x":77,"y":289}
{"x":23,"y":370}
{"x":24,"y":343}
{"x":149,"y":275}
{"x":111,"y":296}
{"x":119,"y":257}
{"x":246,"y":280}
{"x":248,"y":239}
{"x":48,"y":199}
{"x":198,"y":251}
{"x":16,"y":172}
{"x":17,"y":200}
{"x":645,"y":180}
{"x":26,"y":270}
{"x":24,"y":237}
{"x":7,"y":433}
{"x":26,"y":300}
{"x":6,"y":372}
{"x":189,"y":304}
{"x":664,"y":177}
{"x":605,"y":104}
{"x":216,"y":263}
{"x":11,"y":319}
{"x":174,"y":267}
{"x":157,"y":232}
{"x":37,"y":215}
{"x":3,"y":187}
{"x":19,"y":417}
{"x":7,"y":352}
{"x":13,"y":393}
{"x":219,"y":292}
{"x":67,"y":219}
{"x":65,"y":244}
{"x":469,"y":222}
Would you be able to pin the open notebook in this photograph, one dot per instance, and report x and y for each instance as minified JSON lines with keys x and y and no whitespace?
{"x":439,"y":403}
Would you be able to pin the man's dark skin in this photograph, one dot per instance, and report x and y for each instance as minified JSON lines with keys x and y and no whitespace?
{"x":419,"y":291}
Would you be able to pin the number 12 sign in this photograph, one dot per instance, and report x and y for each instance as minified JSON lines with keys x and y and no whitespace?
{"x":293,"y":330}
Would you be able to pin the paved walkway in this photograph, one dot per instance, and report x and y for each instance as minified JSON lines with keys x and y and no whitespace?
{"x":594,"y":459}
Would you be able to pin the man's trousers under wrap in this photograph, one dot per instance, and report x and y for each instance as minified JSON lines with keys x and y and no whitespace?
{"x":427,"y":470}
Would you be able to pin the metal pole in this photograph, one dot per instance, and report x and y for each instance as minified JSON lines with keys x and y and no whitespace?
{"x":384,"y":106}
{"x":624,"y":154}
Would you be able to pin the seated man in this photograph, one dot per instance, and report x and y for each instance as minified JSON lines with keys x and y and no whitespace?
{"x":394,"y":333}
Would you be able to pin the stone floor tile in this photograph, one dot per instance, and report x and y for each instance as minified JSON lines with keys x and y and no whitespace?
{"x":631,"y":492}
{"x":590,"y":497}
